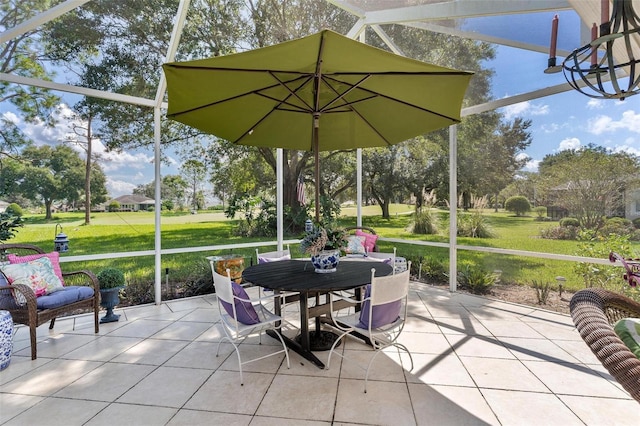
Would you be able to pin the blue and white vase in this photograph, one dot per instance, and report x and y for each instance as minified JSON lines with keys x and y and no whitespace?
{"x":6,"y":339}
{"x":326,"y":261}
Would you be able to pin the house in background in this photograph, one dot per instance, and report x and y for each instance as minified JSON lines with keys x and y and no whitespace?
{"x":130,"y":203}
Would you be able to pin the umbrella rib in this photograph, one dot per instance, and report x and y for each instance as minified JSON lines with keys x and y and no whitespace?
{"x":291,"y":92}
{"x":252,"y":92}
{"x":280,"y":102}
{"x":376,"y":94}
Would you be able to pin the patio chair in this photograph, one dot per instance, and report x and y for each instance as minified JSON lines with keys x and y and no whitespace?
{"x":80,"y":293}
{"x":241,"y":317}
{"x":594,"y":312}
{"x":273,"y":256}
{"x":368,"y":233}
{"x":389,"y":258}
{"x":380,"y":320}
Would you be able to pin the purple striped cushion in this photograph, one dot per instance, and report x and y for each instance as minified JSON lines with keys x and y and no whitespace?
{"x":381,"y":315}
{"x":245,"y":310}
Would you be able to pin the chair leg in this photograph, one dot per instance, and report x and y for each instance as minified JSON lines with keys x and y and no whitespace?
{"x":96,"y":322}
{"x":52,"y":323}
{"x":333,"y":347}
{"x":32,"y":334}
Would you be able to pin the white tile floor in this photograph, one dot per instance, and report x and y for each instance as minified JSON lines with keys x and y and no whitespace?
{"x":477,"y":362}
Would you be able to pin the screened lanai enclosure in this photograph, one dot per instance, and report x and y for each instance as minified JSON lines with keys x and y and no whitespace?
{"x":550,"y":107}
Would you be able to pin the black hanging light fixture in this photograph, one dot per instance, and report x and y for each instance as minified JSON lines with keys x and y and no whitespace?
{"x":615,"y":74}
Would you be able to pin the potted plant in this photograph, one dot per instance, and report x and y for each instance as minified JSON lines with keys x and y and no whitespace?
{"x":111,"y":282}
{"x":323,"y":244}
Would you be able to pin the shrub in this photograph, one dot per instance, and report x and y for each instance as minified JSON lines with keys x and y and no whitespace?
{"x":14,"y":209}
{"x":111,"y":278}
{"x":9,"y":225}
{"x":428,"y":269}
{"x":598,"y":275}
{"x":434,"y":270}
{"x":617,"y":226}
{"x":474,"y":226}
{"x":476,"y":279}
{"x":517,"y":204}
{"x":113,"y":206}
{"x":636,"y":222}
{"x":425,"y":223}
{"x":541,"y":212}
{"x":560,"y":233}
{"x":542,"y":291}
{"x":570,"y":221}
{"x":138,"y":292}
{"x":168,"y":205}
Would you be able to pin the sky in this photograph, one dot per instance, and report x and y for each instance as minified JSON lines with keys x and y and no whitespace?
{"x":565,"y":121}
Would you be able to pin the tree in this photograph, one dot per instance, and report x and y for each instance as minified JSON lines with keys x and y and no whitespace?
{"x":20,"y":56}
{"x":81,"y":123}
{"x":589,"y":182}
{"x":518,"y":204}
{"x":194,"y":173}
{"x":53,"y":174}
{"x":385,"y":170}
{"x":499,"y":157}
{"x":172,"y":189}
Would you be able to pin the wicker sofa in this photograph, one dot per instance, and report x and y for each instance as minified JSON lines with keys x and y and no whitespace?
{"x":594,"y":312}
{"x":29,"y":314}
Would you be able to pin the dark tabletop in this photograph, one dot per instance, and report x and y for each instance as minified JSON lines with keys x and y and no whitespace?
{"x":299,"y":275}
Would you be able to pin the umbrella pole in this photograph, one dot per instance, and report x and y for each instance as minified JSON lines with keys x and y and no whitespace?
{"x":316,"y":155}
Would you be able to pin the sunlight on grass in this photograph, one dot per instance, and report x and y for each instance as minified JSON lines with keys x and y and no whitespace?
{"x":135,"y":231}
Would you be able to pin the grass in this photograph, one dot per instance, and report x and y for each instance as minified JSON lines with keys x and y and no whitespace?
{"x":134,"y":231}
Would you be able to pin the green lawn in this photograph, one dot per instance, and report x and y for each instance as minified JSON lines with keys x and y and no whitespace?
{"x":134,"y":231}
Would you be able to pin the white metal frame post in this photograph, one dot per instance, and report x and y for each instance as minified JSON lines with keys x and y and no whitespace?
{"x":279,"y":198}
{"x":162,"y":87}
{"x":453,"y":207}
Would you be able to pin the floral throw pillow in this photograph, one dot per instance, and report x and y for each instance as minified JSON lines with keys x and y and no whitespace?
{"x":37,"y":274}
{"x":355,"y":245}
{"x":54,"y":257}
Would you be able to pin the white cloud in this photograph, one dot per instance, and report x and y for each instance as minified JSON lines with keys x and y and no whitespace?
{"x":524,"y":108}
{"x":628,"y":149}
{"x":531,"y":166}
{"x":629,"y":121}
{"x":595,"y":104}
{"x":569,"y":143}
{"x":117,"y":188}
{"x":11,"y":117}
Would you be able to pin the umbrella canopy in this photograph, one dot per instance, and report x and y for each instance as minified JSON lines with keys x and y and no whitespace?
{"x":322,"y":92}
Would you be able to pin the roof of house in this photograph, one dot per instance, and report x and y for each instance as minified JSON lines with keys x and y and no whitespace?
{"x":133,"y":199}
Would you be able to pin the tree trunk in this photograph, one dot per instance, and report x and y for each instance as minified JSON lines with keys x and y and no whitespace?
{"x":87,"y":179}
{"x":47,"y":206}
{"x":385,"y":209}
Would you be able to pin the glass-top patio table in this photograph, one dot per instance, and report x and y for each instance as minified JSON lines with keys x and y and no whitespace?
{"x":298,"y":276}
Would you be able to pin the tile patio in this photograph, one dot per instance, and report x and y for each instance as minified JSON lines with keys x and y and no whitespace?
{"x":477,"y":362}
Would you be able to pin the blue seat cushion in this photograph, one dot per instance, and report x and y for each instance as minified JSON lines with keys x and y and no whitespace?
{"x":63,"y":297}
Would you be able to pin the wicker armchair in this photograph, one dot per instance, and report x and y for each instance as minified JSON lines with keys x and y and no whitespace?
{"x":28,"y":313}
{"x":594,"y":311}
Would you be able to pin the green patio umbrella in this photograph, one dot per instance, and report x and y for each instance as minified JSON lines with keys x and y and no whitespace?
{"x":318,"y":93}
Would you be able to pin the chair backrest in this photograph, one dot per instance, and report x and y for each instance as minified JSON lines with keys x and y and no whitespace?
{"x":384,"y":256}
{"x":273,"y":256}
{"x":222,"y":285}
{"x":389,"y":288}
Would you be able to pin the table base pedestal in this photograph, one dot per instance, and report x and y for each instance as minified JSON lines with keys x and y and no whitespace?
{"x":320,"y":340}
